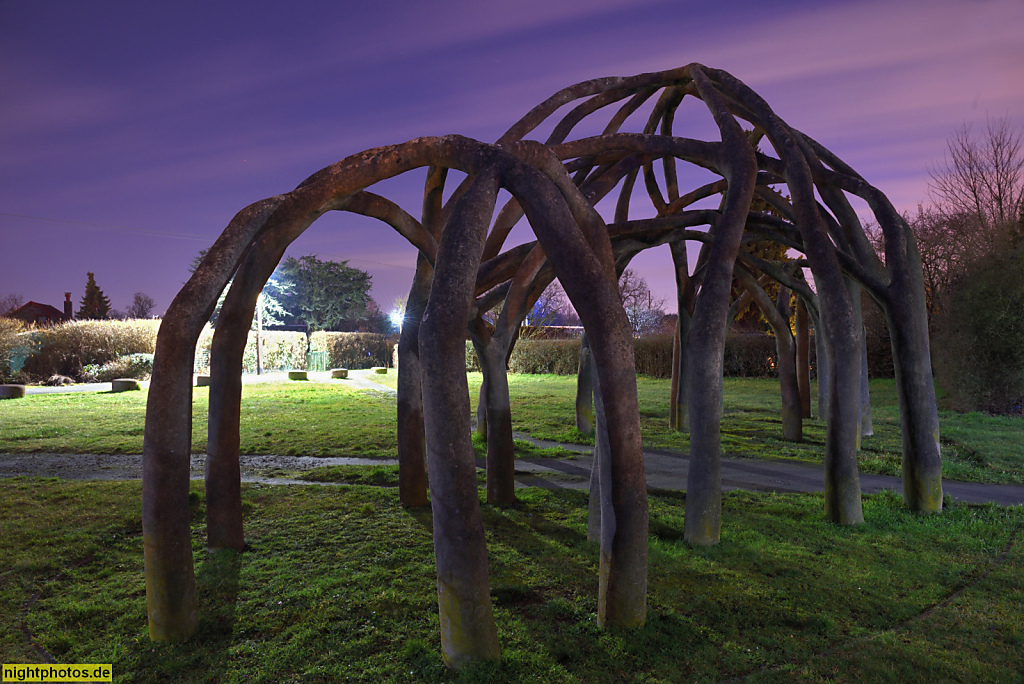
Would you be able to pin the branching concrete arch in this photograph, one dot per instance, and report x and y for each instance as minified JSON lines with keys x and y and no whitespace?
{"x":254,"y":249}
{"x":463,"y":270}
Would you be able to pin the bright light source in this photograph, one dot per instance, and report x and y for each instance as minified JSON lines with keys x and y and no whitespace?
{"x":396,"y":319}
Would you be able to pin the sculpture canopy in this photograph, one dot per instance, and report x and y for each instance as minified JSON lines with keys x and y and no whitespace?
{"x":465,"y":268}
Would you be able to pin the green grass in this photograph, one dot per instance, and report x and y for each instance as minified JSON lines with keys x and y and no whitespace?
{"x":338,"y":584}
{"x":330,"y":419}
{"x":976,"y":447}
{"x":308,"y":419}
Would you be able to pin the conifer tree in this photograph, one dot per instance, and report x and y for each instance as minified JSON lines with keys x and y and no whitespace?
{"x":95,"y":304}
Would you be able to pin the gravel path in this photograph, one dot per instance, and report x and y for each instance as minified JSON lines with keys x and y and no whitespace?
{"x":665,"y":470}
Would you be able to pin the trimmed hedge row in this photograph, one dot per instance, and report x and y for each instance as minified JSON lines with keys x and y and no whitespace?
{"x":12,"y":341}
{"x":354,"y":349}
{"x":89,"y":351}
{"x":286,"y":350}
{"x":749,"y":355}
{"x":138,"y":366}
{"x":66,"y":349}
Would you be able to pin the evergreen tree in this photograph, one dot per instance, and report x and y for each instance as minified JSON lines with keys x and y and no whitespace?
{"x":94,"y":304}
{"x":325,"y":295}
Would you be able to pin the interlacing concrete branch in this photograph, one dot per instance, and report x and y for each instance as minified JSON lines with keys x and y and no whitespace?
{"x":465,"y":269}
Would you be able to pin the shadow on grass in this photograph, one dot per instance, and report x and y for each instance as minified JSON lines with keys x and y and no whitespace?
{"x":217,"y":588}
{"x":217,"y":584}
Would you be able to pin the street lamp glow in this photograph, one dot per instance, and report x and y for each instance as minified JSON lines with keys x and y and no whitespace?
{"x":396,"y":319}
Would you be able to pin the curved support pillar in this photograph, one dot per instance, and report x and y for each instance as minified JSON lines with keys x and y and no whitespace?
{"x":167,"y":445}
{"x":777,"y":315}
{"x":803,"y":358}
{"x":703,"y":519}
{"x":222,"y":476}
{"x":223,"y":479}
{"x":468,"y":632}
{"x":863,"y":390}
{"x":842,"y":432}
{"x":497,"y":417}
{"x":919,"y":417}
{"x":792,"y":410}
{"x":412,"y":465}
{"x":585,"y":418}
{"x":679,"y":407}
{"x":576,"y":241}
{"x":867,"y":428}
{"x":481,"y":405}
{"x":823,"y":364}
{"x":679,"y":413}
{"x":600,"y":511}
{"x":166,"y":518}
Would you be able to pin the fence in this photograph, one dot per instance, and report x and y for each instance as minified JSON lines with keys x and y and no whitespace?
{"x":316,"y":361}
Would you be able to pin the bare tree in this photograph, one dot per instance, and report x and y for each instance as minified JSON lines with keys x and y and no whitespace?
{"x":979,"y":187}
{"x":142,"y":305}
{"x":551,"y":308}
{"x":977,"y":206}
{"x":9,"y":303}
{"x":645,"y":312}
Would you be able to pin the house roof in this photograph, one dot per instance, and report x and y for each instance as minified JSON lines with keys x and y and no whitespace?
{"x":34,"y":311}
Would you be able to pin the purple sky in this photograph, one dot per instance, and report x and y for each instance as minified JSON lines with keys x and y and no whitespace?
{"x":131,"y":132}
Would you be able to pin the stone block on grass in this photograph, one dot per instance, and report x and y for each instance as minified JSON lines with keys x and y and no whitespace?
{"x":12,"y":391}
{"x":124,"y":385}
{"x":202,"y":381}
{"x":339,"y":372}
{"x":297,"y":375}
{"x":379,"y":370}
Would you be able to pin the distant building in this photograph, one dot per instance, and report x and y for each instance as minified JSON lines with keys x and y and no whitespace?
{"x":44,"y":314}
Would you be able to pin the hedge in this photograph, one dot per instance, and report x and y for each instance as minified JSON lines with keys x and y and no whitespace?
{"x":286,"y":350}
{"x":88,"y":351}
{"x":354,"y":349}
{"x":67,"y":348}
{"x":746,"y":355}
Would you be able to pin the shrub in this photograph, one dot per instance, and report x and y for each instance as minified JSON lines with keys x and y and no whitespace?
{"x":746,"y":355}
{"x":561,"y":357}
{"x":65,"y":349}
{"x":354,"y":350}
{"x":978,"y":351}
{"x":281,"y":350}
{"x":653,"y":356}
{"x":749,"y":355}
{"x":15,"y":343}
{"x":138,"y":366}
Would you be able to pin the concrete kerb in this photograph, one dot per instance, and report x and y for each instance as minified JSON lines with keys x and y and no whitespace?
{"x":12,"y":391}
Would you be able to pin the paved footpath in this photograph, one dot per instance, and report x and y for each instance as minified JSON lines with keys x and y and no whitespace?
{"x":665,"y":469}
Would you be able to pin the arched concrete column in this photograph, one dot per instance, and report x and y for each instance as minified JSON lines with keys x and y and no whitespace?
{"x":167,"y":446}
{"x":842,"y":336}
{"x":576,"y":242}
{"x":468,"y":632}
{"x":170,"y":583}
{"x":898,"y":286}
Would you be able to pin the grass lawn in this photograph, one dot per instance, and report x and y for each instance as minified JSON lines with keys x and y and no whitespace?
{"x":330,"y":419}
{"x":338,"y":584}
